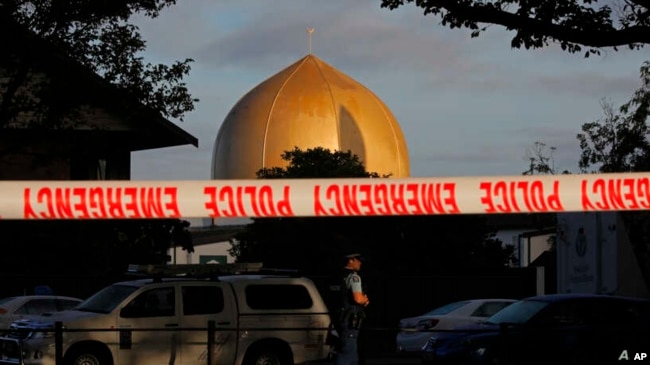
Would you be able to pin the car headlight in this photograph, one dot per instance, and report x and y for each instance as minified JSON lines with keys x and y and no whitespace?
{"x":45,"y":333}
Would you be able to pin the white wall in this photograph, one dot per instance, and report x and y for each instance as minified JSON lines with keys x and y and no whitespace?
{"x":526,"y":250}
{"x":210,"y":249}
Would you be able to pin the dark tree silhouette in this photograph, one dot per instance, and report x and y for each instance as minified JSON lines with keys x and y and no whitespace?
{"x":97,"y":36}
{"x":573,"y":24}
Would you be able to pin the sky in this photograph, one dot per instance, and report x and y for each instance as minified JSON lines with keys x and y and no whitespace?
{"x":467,"y":106}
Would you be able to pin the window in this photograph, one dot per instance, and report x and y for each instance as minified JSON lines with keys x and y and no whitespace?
{"x":64,"y":304}
{"x":107,"y":299}
{"x":151,"y":303}
{"x":487,"y":309}
{"x":37,"y":306}
{"x":567,"y":313}
{"x":202,"y":300}
{"x":280,"y":296}
{"x":518,"y":312}
{"x":446,"y":309}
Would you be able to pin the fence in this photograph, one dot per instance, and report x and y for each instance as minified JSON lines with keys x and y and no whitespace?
{"x":12,"y":342}
{"x":504,"y":344}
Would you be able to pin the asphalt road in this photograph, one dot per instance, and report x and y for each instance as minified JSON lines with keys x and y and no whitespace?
{"x":381,"y":360}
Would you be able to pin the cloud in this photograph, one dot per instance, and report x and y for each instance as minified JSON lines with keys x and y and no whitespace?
{"x":346,"y":35}
{"x":466,"y":106}
{"x":588,"y":84}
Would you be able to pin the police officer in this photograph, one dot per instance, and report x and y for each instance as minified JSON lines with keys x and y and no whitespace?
{"x":354,"y":300}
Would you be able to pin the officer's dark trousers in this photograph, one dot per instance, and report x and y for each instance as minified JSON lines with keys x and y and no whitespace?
{"x":348,"y":353}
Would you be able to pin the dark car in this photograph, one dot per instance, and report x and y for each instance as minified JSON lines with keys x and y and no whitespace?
{"x":550,"y":329}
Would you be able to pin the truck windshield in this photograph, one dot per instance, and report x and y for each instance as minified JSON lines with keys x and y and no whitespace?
{"x":105,"y":300}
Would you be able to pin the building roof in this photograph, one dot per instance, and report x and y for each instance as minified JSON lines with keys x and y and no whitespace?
{"x":306,"y":105}
{"x":148,"y":129}
{"x":207,"y":235}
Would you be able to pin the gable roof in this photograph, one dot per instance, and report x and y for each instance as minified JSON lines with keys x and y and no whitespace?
{"x":148,"y":128}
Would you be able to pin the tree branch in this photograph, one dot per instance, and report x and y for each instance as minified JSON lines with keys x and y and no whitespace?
{"x":587,"y":37}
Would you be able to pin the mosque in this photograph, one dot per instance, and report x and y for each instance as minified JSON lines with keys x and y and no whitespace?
{"x":306,"y":105}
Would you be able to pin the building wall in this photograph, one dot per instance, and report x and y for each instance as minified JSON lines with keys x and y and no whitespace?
{"x":206,"y":251}
{"x":89,"y":150}
{"x":531,"y":247}
{"x":44,"y":160}
{"x":527,"y":245}
{"x":23,"y":166}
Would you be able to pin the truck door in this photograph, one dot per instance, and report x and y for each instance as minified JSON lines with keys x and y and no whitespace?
{"x":148,"y":326}
{"x":203,"y":302}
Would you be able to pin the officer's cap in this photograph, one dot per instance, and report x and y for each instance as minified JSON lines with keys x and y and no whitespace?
{"x":354,"y":255}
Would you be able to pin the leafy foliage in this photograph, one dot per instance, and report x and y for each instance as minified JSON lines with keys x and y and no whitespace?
{"x":97,"y":36}
{"x":619,"y":141}
{"x":317,"y":162}
{"x":413,"y":244}
{"x":573,"y":24}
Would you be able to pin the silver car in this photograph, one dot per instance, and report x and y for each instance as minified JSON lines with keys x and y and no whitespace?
{"x":31,"y":306}
{"x":414,"y":332}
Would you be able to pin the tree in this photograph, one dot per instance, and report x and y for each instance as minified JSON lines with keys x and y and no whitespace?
{"x":409,"y":244}
{"x":95,"y":34}
{"x":319,"y":242}
{"x":619,"y":141}
{"x":541,"y":161}
{"x":573,"y":24}
{"x":317,"y":162}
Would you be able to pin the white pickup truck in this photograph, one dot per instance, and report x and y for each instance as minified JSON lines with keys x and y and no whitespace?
{"x":257,"y":319}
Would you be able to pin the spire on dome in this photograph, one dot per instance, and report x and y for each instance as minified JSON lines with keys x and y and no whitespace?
{"x":310,"y":31}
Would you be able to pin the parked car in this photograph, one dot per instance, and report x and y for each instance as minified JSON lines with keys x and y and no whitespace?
{"x":415,"y":331}
{"x":30,"y":306}
{"x":550,"y":329}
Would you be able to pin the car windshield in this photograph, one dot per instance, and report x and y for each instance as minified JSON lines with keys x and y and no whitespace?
{"x":518,"y":312}
{"x":105,"y":300}
{"x":445,"y":309}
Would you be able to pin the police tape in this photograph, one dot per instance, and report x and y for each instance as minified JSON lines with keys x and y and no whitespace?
{"x":323,"y":197}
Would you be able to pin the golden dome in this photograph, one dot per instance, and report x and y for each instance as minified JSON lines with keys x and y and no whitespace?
{"x":308,"y":104}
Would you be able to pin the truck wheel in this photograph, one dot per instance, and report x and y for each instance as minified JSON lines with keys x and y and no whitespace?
{"x":265,"y":357}
{"x":87,"y":357}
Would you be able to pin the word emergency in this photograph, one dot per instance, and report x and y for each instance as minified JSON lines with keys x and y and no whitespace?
{"x":615,"y":194}
{"x":100,"y":203}
{"x":385,"y":199}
